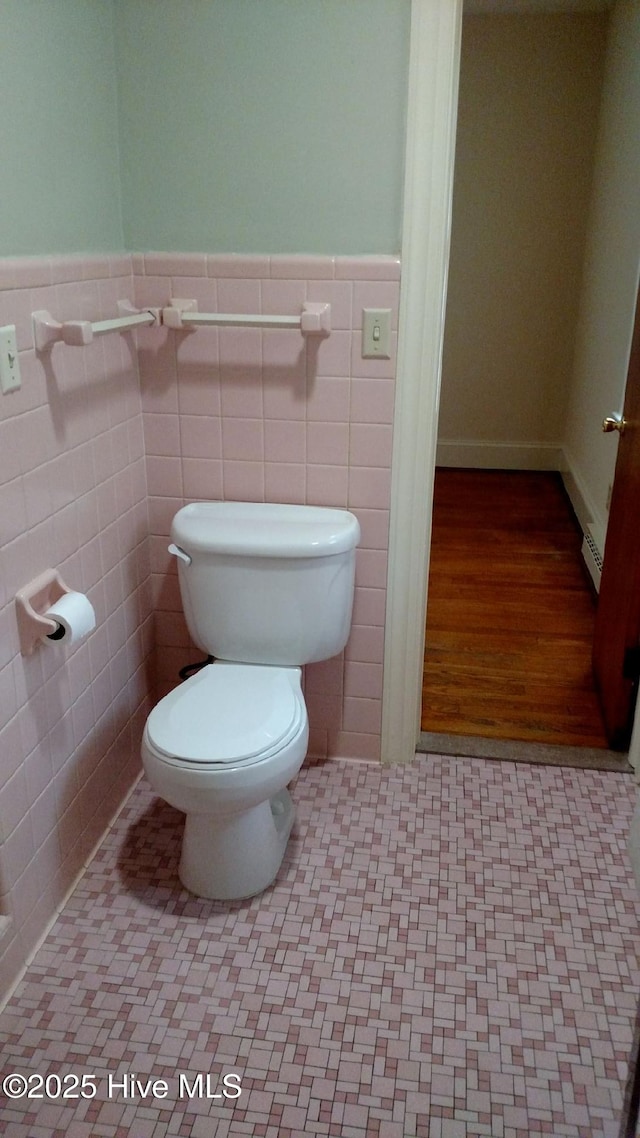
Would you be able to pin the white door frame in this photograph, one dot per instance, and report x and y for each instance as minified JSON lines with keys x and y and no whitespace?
{"x":434,"y":66}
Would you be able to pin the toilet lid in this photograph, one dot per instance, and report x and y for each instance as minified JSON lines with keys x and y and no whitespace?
{"x":226,"y":713}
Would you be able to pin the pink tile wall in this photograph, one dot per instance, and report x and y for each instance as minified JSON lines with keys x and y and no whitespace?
{"x":264,"y":415}
{"x":72,"y":497}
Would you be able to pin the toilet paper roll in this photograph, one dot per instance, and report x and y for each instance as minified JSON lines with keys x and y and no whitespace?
{"x":75,"y":616}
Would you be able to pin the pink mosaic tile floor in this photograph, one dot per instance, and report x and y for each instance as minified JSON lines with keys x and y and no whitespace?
{"x":449,"y":951}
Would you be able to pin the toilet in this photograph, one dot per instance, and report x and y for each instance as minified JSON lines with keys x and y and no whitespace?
{"x":265,"y":589}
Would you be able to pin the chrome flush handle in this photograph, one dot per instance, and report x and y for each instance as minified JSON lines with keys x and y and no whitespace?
{"x":178,"y":552}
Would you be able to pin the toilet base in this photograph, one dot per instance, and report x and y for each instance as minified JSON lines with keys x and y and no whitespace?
{"x":230,"y":859}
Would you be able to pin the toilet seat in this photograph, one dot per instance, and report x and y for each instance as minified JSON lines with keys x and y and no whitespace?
{"x":227,"y":714}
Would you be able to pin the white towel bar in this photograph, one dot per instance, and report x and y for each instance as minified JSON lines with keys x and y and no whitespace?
{"x":314,"y":320}
{"x":76,"y":333}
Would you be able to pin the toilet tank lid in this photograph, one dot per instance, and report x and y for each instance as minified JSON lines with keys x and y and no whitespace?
{"x":262,"y":529}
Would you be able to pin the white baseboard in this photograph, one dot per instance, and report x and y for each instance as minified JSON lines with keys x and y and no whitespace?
{"x":499,"y":456}
{"x":586,"y":511}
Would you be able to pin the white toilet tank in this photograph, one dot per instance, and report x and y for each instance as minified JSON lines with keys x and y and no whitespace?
{"x":266,"y":584}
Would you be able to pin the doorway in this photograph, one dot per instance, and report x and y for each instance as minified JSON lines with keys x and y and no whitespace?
{"x":609,"y":291}
{"x":530,"y":92}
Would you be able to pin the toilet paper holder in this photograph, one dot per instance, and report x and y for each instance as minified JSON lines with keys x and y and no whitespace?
{"x":32,"y":602}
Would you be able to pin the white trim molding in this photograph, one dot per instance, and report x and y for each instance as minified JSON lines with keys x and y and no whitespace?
{"x":583,"y":504}
{"x":466,"y":453}
{"x":430,"y":152}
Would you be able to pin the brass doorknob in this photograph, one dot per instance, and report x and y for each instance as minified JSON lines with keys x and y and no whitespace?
{"x":614,"y":423}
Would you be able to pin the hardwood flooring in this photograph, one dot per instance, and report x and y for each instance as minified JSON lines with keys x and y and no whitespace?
{"x":510,"y":613}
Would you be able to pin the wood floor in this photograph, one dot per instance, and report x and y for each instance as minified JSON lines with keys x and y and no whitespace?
{"x":510,"y":613}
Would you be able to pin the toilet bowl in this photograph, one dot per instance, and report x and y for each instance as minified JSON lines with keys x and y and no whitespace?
{"x":222,"y":748}
{"x":266,"y":588}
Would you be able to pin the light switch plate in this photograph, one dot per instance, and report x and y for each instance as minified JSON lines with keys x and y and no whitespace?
{"x":9,"y":363}
{"x":376,"y":333}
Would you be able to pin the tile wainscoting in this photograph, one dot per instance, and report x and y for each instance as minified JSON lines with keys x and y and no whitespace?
{"x":73,"y":497}
{"x":265,"y":415}
{"x":98,"y":449}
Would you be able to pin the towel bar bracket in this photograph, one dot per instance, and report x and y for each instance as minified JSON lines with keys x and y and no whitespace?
{"x":77,"y":333}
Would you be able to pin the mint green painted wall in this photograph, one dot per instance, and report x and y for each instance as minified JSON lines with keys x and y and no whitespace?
{"x":60,"y":177}
{"x":224,"y":125}
{"x":263,"y":125}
